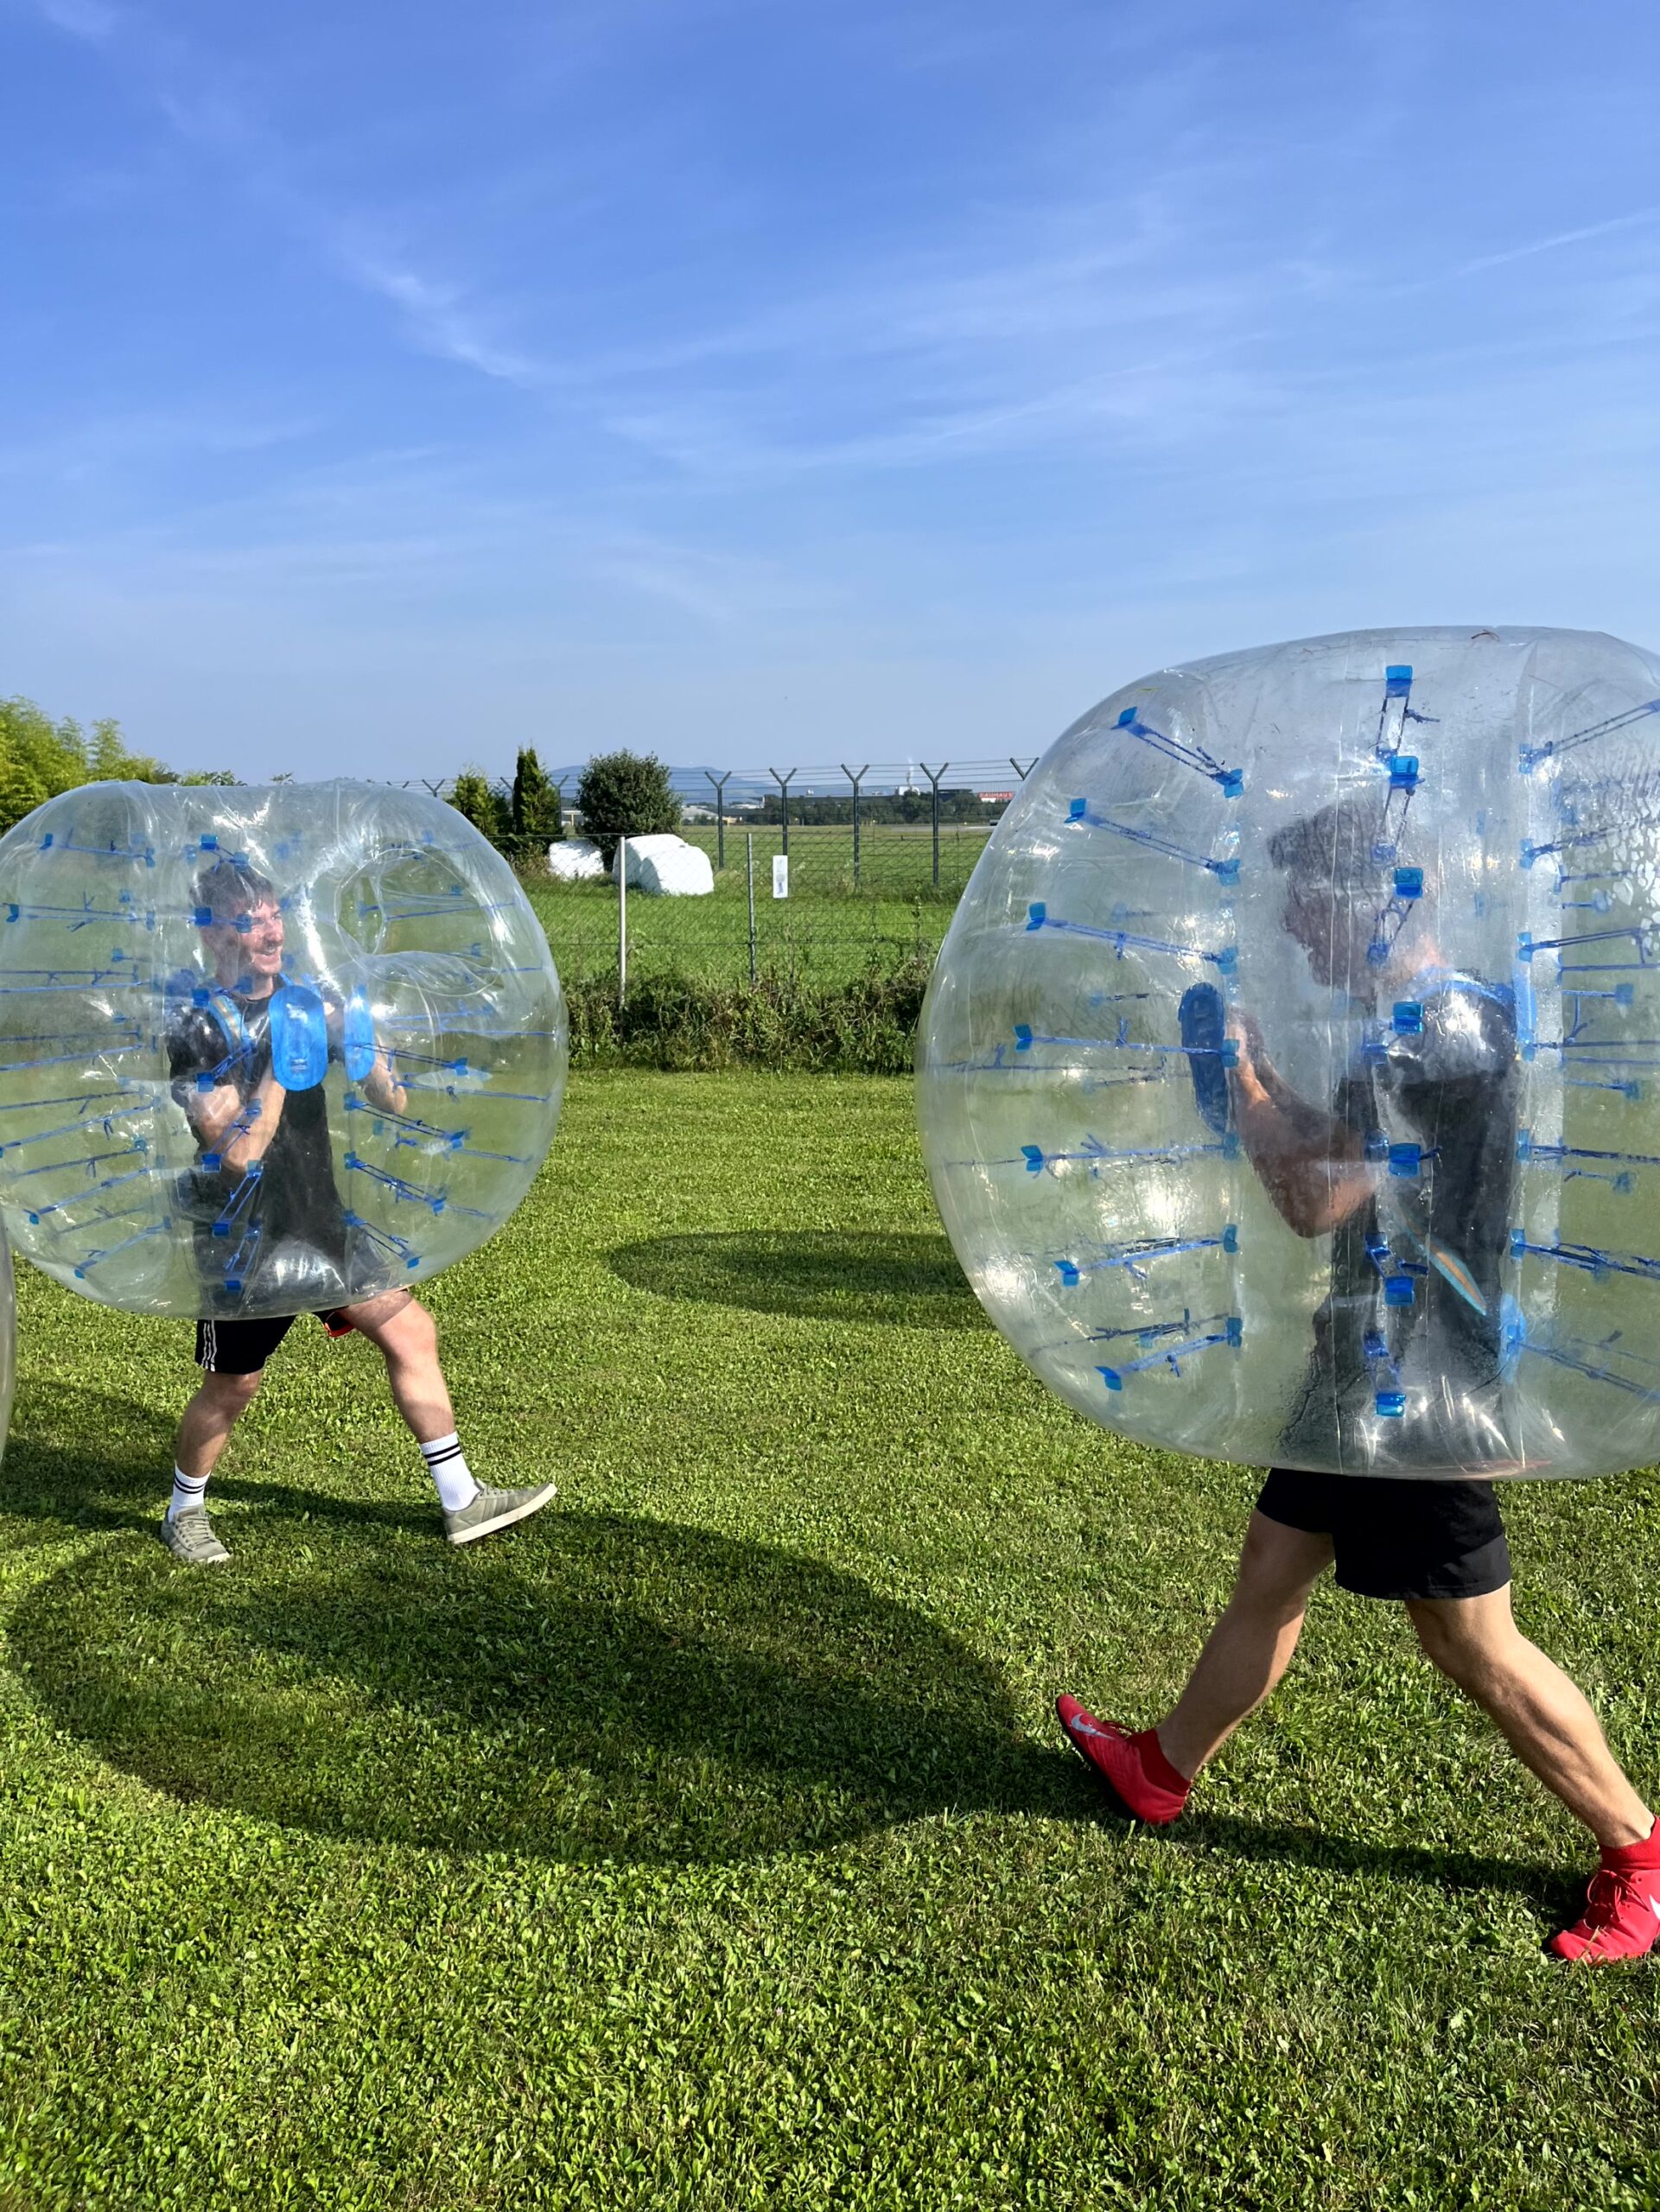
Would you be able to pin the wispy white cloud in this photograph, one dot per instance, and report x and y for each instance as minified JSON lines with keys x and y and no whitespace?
{"x":116,"y":443}
{"x":969,"y":347}
{"x":1638,"y":218}
{"x":437,"y":316}
{"x":1149,"y":402}
{"x":722,"y":589}
{"x":201,"y":107}
{"x":873,"y":336}
{"x":84,"y":19}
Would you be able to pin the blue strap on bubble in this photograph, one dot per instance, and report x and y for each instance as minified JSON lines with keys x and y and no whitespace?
{"x":359,"y":1037}
{"x":299,"y":1038}
{"x":225,"y":1011}
{"x":1203,"y":1025}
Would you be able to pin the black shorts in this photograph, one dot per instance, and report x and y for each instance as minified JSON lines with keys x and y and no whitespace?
{"x":243,"y":1347}
{"x":1397,"y":1536}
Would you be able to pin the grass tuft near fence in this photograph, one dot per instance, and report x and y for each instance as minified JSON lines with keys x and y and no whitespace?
{"x":861,"y":1025}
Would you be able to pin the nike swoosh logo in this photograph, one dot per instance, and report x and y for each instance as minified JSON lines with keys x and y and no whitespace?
{"x":1654,"y":1905}
{"x":1077,"y":1725}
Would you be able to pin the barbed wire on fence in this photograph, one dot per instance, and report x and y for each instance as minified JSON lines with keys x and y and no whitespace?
{"x":728,"y":796}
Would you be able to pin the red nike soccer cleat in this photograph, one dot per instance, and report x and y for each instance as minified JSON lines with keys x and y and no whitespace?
{"x":1621,"y":1918}
{"x":1140,"y":1780}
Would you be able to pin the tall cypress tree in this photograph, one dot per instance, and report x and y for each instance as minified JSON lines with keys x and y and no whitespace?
{"x":538,"y":818}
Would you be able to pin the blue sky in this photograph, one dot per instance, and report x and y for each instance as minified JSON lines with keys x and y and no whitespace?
{"x":764,"y":380}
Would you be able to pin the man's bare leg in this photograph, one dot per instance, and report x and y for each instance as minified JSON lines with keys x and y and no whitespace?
{"x":1548,"y":1722}
{"x":205,"y":1426}
{"x":1545,"y":1717}
{"x":219,"y":1403}
{"x":1250,"y":1647}
{"x":1148,"y":1773}
{"x":406,"y":1337}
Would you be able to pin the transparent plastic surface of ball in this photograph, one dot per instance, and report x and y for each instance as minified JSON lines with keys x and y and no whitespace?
{"x":265,"y":1049}
{"x":1289,"y":1079}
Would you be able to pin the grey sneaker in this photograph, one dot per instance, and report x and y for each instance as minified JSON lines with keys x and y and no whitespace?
{"x":190,"y":1537}
{"x":495,"y":1509}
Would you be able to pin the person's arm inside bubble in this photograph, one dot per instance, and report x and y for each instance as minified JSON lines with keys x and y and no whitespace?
{"x":1312,"y":1165}
{"x":240,"y":1130}
{"x":381,"y":1086}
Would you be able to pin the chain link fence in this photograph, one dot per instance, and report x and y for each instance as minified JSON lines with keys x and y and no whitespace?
{"x":820,"y":876}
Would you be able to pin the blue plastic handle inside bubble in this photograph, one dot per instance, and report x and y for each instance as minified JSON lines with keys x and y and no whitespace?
{"x":299,"y":1038}
{"x":360,"y":1037}
{"x":1203,"y":1025}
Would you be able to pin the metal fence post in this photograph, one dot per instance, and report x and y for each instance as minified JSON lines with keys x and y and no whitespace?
{"x":622,"y":923}
{"x":1024,"y":773}
{"x":749,"y":842}
{"x":784,"y":784}
{"x":856,"y":776}
{"x":934,"y":776}
{"x":720,"y":784}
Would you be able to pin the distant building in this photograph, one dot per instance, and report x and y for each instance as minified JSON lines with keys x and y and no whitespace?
{"x":994,"y":798}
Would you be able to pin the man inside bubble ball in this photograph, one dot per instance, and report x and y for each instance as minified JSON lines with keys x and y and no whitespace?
{"x":1436,"y":1545}
{"x":266,"y":1171}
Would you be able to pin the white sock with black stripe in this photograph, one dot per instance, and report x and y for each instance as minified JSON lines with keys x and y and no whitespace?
{"x":187,"y":1490}
{"x":447,"y":1465}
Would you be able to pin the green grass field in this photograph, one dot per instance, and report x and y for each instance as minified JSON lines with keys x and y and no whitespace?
{"x":828,"y":928}
{"x":707,"y":1842}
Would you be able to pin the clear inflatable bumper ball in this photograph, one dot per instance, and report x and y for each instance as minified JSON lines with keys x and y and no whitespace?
{"x":268,"y":1049}
{"x":1289,"y":1079}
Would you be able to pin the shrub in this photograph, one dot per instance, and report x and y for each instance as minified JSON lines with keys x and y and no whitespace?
{"x":485,"y":809}
{"x":626,"y":795}
{"x":862,"y":1027}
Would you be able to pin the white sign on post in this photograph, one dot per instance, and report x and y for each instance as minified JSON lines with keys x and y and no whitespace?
{"x":780,"y":875}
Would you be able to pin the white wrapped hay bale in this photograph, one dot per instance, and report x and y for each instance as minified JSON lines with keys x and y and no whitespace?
{"x":668,"y":866}
{"x":576,"y":860}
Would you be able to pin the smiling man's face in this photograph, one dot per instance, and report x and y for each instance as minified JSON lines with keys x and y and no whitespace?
{"x":249,"y":943}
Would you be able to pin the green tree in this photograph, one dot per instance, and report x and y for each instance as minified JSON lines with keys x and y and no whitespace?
{"x":21,"y":793}
{"x":485,"y":809}
{"x":112,"y":762}
{"x":626,"y":795}
{"x":538,"y":818}
{"x":38,"y":758}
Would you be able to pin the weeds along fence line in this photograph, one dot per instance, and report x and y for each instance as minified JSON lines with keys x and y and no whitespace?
{"x":833,"y":890}
{"x":863,"y":1025}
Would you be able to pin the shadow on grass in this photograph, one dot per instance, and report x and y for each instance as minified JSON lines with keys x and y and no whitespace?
{"x":590,"y":1688}
{"x":85,"y":1459}
{"x":88,"y":1459}
{"x":1543,"y":1884}
{"x":907,"y":1278}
